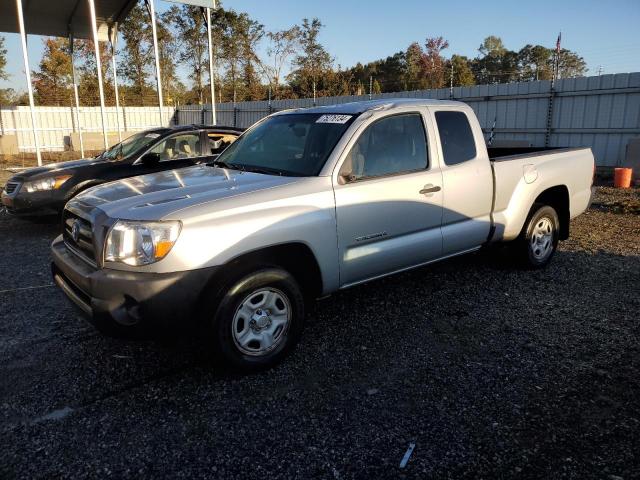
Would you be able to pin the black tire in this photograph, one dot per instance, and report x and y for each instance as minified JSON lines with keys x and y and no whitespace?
{"x":224,"y":341}
{"x":537,"y":253}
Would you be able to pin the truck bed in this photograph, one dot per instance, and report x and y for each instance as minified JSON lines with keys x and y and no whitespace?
{"x":498,"y":154}
{"x":521,"y":173}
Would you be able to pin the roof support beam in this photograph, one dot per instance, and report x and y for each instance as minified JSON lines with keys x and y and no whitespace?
{"x":214,"y":120}
{"x":27,"y":71}
{"x":94,"y":28}
{"x":113,"y":39}
{"x":152,"y":14}
{"x":75,"y":91}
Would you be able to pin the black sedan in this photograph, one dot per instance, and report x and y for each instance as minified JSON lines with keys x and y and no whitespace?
{"x":45,"y":190}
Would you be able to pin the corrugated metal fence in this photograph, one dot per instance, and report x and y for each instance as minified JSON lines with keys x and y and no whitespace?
{"x":601,"y":112}
{"x":55,"y":124}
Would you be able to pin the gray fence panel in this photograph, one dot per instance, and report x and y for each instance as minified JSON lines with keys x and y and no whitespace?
{"x":600,"y":112}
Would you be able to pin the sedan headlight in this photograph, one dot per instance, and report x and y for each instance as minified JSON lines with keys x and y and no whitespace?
{"x":140,"y":243}
{"x":51,"y":183}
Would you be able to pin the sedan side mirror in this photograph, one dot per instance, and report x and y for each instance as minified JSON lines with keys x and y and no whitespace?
{"x":150,"y":158}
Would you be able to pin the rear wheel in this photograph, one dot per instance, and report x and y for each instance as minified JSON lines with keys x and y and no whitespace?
{"x":259,"y":319}
{"x":538,"y":240}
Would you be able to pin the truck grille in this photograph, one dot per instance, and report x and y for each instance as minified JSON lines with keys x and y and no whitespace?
{"x":11,"y":187}
{"x":78,"y":235}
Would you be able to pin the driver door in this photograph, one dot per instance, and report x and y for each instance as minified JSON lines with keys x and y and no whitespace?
{"x":388,"y":201}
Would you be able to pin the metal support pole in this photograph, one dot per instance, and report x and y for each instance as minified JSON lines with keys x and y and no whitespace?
{"x":96,"y":44}
{"x":451,"y":82}
{"x":214,"y":120}
{"x":113,"y":39}
{"x":75,"y":93}
{"x":27,"y":71}
{"x":152,"y":14}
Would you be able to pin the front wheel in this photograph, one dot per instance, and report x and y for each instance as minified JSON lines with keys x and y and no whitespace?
{"x":258,"y":320}
{"x":539,"y":238}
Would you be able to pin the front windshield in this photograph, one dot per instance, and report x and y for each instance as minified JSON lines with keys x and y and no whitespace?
{"x":129,"y":146}
{"x":295,"y":144}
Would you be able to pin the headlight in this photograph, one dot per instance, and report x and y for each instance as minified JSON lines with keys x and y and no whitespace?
{"x":51,"y":183}
{"x":140,"y":243}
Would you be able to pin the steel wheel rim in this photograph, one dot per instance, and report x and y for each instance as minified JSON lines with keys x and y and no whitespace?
{"x":541,"y":241}
{"x":261,"y":321}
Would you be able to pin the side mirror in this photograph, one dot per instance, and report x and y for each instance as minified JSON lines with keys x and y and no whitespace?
{"x":150,"y":158}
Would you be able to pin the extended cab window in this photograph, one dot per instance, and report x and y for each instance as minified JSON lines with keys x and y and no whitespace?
{"x":391,"y":145}
{"x":179,"y":146}
{"x":456,"y":137}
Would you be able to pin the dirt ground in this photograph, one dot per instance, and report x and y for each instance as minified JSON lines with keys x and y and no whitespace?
{"x":490,"y":371}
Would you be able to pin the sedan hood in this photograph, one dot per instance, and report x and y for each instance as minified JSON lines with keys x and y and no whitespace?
{"x":55,"y":168}
{"x":157,"y":195}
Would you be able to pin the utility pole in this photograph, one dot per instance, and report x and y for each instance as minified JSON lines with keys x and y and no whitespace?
{"x":370,"y":86}
{"x":314,"y":93}
{"x":600,"y":69}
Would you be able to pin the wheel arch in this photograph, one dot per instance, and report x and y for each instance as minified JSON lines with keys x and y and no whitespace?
{"x":297,"y":258}
{"x":558,"y":198}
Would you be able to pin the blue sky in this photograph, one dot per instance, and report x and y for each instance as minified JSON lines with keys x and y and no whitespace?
{"x":605,"y":34}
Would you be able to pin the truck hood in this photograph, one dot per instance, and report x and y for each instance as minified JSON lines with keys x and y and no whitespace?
{"x":157,"y":195}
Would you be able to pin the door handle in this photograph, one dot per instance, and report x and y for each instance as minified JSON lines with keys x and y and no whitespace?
{"x":430,"y":188}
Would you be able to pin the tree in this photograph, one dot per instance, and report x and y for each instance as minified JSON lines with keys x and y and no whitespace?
{"x":191,"y":31}
{"x":432,"y":62}
{"x":462,"y":74}
{"x":240,"y":41}
{"x":52,"y":83}
{"x":136,"y":59}
{"x":88,"y":85}
{"x":570,"y":64}
{"x":535,"y":63}
{"x":413,"y":77}
{"x":3,"y":60}
{"x":283,"y":45}
{"x":172,"y":87}
{"x":314,"y":62}
{"x":495,"y":64}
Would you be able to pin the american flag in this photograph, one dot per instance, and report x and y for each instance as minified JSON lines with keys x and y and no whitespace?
{"x":558,"y":42}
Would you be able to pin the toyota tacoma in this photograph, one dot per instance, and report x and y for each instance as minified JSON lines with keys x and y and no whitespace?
{"x":304,"y":203}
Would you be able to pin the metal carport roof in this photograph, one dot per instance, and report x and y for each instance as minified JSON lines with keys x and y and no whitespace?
{"x":59,"y":18}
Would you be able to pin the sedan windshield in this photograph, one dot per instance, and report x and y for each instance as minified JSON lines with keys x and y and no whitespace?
{"x":295,"y":144}
{"x":129,"y":146}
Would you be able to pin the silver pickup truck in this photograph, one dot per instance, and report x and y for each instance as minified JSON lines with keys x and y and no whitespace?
{"x":304,"y":203}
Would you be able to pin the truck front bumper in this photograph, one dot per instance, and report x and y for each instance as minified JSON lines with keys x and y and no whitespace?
{"x":139,"y":302}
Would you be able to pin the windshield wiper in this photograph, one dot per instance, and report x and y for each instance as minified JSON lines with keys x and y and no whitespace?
{"x":264,"y":170}
{"x":230,"y":166}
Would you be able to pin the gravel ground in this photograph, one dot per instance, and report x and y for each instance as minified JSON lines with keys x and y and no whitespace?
{"x":491,"y":372}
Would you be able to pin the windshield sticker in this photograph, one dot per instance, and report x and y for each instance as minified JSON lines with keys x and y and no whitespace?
{"x":334,"y":119}
{"x":152,"y":135}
